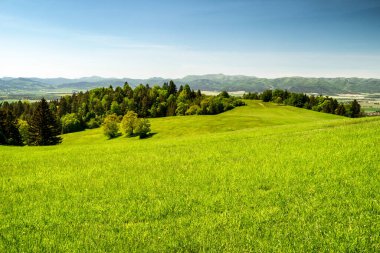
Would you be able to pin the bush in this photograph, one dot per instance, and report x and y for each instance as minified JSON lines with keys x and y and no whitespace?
{"x":110,"y":127}
{"x":129,"y":123}
{"x":143,"y":128}
{"x":194,"y":109}
{"x":70,"y":123}
{"x":94,"y":123}
{"x":181,"y":109}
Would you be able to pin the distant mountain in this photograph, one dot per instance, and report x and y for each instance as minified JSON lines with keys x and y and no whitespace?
{"x":328,"y":86}
{"x":212,"y":82}
{"x":26,"y":84}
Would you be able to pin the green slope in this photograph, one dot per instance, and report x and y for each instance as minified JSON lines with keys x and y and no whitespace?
{"x":258,"y":178}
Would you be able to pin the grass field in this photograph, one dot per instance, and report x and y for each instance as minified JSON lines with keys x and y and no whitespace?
{"x":259,"y":178}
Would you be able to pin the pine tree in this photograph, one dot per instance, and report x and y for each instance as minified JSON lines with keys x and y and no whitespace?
{"x":355,"y":109}
{"x":9,"y":134}
{"x":44,"y":129}
{"x":172,"y":89}
{"x":340,"y":110}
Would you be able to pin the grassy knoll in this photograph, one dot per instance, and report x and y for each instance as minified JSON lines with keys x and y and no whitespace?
{"x":257,"y":178}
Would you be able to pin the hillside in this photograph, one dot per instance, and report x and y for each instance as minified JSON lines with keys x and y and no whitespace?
{"x":257,"y":178}
{"x":219,"y":82}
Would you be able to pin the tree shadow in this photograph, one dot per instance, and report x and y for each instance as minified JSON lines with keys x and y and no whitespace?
{"x":114,"y":137}
{"x":149,"y":135}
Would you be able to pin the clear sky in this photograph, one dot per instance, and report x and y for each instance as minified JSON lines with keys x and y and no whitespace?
{"x":167,"y":38}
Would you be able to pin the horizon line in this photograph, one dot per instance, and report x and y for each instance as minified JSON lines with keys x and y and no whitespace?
{"x":174,"y":78}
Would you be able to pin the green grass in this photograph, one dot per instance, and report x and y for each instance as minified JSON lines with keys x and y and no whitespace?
{"x":258,"y":178}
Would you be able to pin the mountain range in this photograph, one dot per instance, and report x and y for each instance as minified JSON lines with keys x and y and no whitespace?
{"x":212,"y":82}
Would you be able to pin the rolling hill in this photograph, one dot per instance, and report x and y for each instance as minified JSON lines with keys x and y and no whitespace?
{"x":262,"y":177}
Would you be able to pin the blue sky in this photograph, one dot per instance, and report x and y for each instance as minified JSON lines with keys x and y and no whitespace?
{"x":140,"y":39}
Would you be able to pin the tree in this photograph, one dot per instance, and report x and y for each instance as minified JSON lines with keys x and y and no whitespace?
{"x":278,"y":100}
{"x":181,"y":109}
{"x":9,"y":133}
{"x":94,"y":122}
{"x":184,"y":95}
{"x":171,"y":106}
{"x":355,"y":109}
{"x":115,"y":108}
{"x":43,"y":129}
{"x":63,"y":106}
{"x":277,"y":93}
{"x":266,"y":96}
{"x":128,"y":90}
{"x":23,"y":128}
{"x":172,"y":89}
{"x":340,"y":110}
{"x":110,"y":127}
{"x":129,"y":123}
{"x":194,"y":109}
{"x":70,"y":123}
{"x":224,"y":94}
{"x":142,"y":128}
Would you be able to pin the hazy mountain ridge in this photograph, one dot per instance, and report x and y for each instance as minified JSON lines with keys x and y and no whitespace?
{"x":211,"y":82}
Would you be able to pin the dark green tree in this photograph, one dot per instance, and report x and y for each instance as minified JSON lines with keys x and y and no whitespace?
{"x":172,"y":89}
{"x":340,"y":110}
{"x":44,"y":129}
{"x":266,"y":96}
{"x":355,"y":109}
{"x":9,"y":134}
{"x":224,"y":94}
{"x":128,"y":90}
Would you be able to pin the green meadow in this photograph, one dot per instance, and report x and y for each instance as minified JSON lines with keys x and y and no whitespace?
{"x":258,"y":178}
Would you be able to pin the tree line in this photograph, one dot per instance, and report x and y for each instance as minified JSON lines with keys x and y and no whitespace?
{"x":40,"y":130}
{"x":316,"y":103}
{"x":22,"y":122}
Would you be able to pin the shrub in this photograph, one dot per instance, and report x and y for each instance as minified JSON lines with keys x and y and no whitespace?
{"x":129,"y":123}
{"x":94,"y":123}
{"x":142,"y":128}
{"x":194,"y":109}
{"x":70,"y":123}
{"x":110,"y":127}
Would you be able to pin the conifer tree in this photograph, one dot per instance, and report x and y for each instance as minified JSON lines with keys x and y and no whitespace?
{"x":44,"y":129}
{"x":9,"y":134}
{"x":172,"y":89}
{"x":355,"y":109}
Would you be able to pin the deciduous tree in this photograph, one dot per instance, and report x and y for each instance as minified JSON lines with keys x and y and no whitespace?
{"x":143,"y":128}
{"x":110,"y":127}
{"x":129,"y":123}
